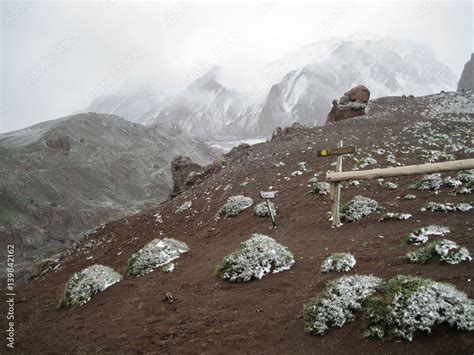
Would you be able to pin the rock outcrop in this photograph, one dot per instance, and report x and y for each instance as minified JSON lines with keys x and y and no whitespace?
{"x":466,"y":82}
{"x":181,"y":169}
{"x":58,"y":142}
{"x":351,"y":104}
{"x":287,"y":132}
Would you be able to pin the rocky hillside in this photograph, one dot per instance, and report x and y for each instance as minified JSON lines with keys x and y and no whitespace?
{"x":466,"y":82}
{"x":63,"y":177}
{"x":192,"y":310}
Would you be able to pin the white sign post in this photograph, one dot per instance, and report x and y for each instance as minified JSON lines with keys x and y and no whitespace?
{"x":268,"y":195}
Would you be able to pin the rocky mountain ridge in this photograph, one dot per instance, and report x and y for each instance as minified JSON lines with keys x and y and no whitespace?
{"x":296,"y":88}
{"x":61,"y":178}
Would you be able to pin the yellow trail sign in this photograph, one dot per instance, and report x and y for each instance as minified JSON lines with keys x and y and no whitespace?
{"x":337,"y":151}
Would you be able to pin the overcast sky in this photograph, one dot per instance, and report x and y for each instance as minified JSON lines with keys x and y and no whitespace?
{"x":57,"y":56}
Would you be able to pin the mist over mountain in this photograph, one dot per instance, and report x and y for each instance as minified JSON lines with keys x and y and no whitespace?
{"x":211,"y":108}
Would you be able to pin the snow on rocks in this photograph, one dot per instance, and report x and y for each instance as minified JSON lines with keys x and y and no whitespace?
{"x":421,"y":235}
{"x":235,"y":205}
{"x":302,"y":165}
{"x":339,"y":262}
{"x":446,"y":250}
{"x":446,"y":207}
{"x":86,"y":283}
{"x":396,"y":216}
{"x":409,"y":197}
{"x":339,"y":303}
{"x":391,"y":159}
{"x":256,"y":257}
{"x":405,"y":305}
{"x":156,"y":253}
{"x":185,"y":206}
{"x":261,"y":209}
{"x":158,"y":217}
{"x":358,"y":207}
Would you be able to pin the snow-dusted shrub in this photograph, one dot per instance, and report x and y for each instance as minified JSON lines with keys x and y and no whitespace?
{"x":256,"y":257}
{"x":409,"y":197}
{"x":340,"y":262}
{"x":405,"y":305}
{"x":235,"y":205}
{"x":463,"y":207}
{"x":86,"y":283}
{"x":358,"y":207}
{"x":321,"y":188}
{"x":446,"y":207}
{"x":452,"y":182}
{"x":395,"y":215}
{"x":185,"y":206}
{"x":362,"y":163}
{"x":156,"y":253}
{"x":389,"y":185}
{"x":445,"y":250}
{"x":464,"y":190}
{"x":261,"y":209}
{"x":428,"y":182}
{"x":467,"y":178}
{"x":312,"y":183}
{"x":339,"y":303}
{"x":421,"y":235}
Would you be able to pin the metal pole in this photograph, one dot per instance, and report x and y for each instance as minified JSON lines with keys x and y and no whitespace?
{"x":270,"y":210}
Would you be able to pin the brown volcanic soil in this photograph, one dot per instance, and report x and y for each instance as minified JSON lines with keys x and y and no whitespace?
{"x":210,"y":315}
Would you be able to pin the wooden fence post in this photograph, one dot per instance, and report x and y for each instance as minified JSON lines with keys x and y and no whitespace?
{"x":336,"y":218}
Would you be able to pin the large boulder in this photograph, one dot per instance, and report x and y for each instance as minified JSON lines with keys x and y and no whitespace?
{"x":181,"y":169}
{"x":358,"y":94}
{"x":466,"y":82}
{"x":351,"y":104}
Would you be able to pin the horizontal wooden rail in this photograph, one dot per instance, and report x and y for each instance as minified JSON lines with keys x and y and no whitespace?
{"x":464,"y":164}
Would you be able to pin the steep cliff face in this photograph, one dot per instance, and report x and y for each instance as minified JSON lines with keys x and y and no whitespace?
{"x":466,"y":82}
